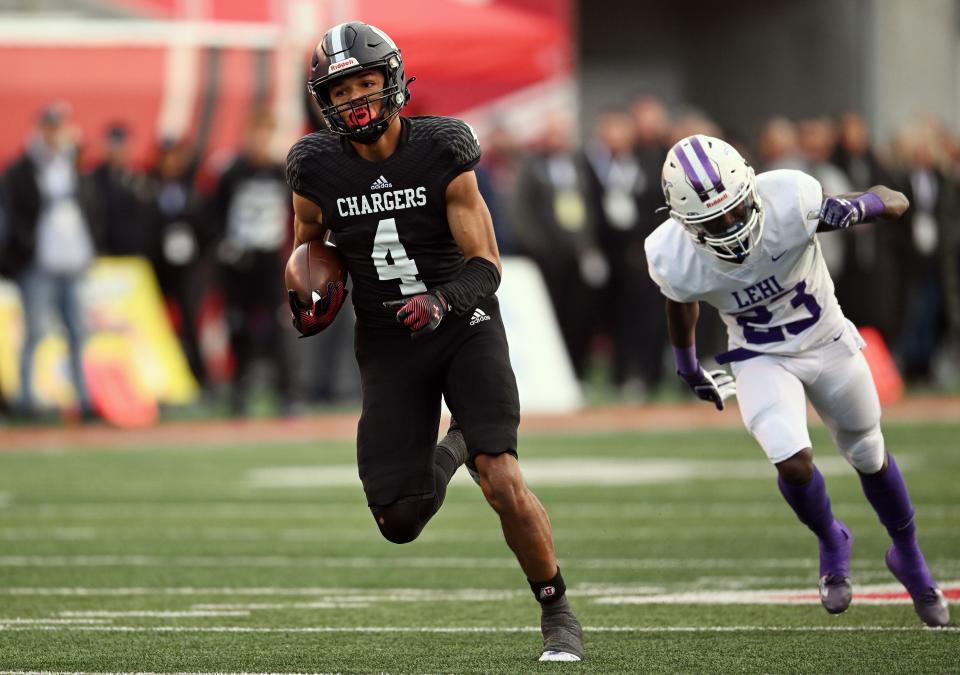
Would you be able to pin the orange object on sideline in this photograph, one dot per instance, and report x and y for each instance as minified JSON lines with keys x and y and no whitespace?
{"x":116,"y":397}
{"x":886,"y":377}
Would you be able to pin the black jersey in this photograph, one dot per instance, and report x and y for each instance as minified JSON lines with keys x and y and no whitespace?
{"x":389,"y":218}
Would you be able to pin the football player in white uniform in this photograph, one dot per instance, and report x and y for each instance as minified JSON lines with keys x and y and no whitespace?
{"x":747,"y":245}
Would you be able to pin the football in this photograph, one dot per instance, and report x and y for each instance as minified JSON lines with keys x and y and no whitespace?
{"x":311,"y":267}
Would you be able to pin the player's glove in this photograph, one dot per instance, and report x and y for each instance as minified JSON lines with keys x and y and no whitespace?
{"x":311,"y":319}
{"x":715,"y":386}
{"x":421,"y":313}
{"x":842,"y":213}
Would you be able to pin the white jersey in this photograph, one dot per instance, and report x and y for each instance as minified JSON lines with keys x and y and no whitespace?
{"x":780,"y":300}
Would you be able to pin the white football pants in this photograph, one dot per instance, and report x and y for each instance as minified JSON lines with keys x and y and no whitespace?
{"x":835,"y":376}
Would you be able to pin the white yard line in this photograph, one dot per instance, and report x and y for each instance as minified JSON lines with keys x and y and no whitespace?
{"x":390,"y":562}
{"x":155,"y":614}
{"x":556,"y":472}
{"x":322,"y":512}
{"x":362,"y":562}
{"x":480,"y":629}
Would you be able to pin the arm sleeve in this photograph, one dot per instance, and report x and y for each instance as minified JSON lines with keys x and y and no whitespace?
{"x":479,"y":279}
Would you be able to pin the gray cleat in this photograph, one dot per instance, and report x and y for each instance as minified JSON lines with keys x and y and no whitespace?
{"x":928,"y":600}
{"x":562,"y":634}
{"x":932,"y":608}
{"x":835,"y":593}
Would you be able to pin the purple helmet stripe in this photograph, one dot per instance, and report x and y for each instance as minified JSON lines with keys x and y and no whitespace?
{"x":691,"y":174}
{"x":707,"y":164}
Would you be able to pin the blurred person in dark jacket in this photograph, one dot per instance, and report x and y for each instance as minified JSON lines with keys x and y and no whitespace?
{"x":50,"y":245}
{"x":181,"y":244}
{"x":870,"y":263}
{"x":651,"y":123}
{"x":623,"y":196}
{"x":554,"y":228}
{"x":931,"y":224}
{"x":121,"y":198}
{"x":817,"y":140}
{"x":251,"y":207}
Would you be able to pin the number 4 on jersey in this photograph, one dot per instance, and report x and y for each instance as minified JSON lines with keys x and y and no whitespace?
{"x":390,"y":259}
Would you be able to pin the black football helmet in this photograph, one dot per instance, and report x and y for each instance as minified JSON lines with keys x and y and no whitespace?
{"x":348,"y":49}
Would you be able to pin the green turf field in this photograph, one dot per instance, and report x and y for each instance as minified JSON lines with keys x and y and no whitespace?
{"x":264,"y":559}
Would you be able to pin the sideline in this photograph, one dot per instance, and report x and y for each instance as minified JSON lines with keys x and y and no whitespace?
{"x":343,"y":426}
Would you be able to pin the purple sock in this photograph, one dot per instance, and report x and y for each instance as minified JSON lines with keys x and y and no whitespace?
{"x":812,"y":505}
{"x":887,"y":493}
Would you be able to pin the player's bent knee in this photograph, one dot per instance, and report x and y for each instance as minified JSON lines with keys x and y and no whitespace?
{"x":797,"y":469}
{"x":400,"y":523}
{"x":863,"y":449}
{"x":500,"y":480}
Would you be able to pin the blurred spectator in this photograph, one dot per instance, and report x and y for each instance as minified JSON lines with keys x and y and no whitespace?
{"x":121,"y":198}
{"x":777,"y":147}
{"x":496,"y":176}
{"x":50,"y":245}
{"x":553,"y":226}
{"x":870,"y":263}
{"x":251,"y":208}
{"x":623,"y":194}
{"x":651,"y":123}
{"x":690,"y":121}
{"x":931,"y":225}
{"x":817,"y":140}
{"x":181,"y":243}
{"x":502,"y":227}
{"x":502,"y":155}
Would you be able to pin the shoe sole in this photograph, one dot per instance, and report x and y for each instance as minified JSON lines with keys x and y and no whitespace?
{"x":559,"y":656}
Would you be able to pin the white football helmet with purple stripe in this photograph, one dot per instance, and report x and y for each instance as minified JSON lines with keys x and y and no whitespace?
{"x":705,"y":178}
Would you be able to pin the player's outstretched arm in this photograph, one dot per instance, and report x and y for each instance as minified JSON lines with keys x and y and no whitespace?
{"x":879,"y":203}
{"x":712,"y":386}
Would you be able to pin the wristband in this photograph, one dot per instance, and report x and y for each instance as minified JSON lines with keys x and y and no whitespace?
{"x":686,"y":359}
{"x":871,"y":206}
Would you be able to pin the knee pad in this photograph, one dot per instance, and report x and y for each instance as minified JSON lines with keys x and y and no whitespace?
{"x":401,"y":523}
{"x":863,"y":449}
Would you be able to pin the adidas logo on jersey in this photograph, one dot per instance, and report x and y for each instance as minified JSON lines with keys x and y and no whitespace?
{"x":381,"y":184}
{"x":478,"y":316}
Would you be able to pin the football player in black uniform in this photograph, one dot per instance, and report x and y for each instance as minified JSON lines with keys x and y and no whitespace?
{"x":400,"y":199}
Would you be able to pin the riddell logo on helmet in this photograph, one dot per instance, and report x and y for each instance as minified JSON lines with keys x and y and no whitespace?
{"x":340,"y":65}
{"x":719,"y":199}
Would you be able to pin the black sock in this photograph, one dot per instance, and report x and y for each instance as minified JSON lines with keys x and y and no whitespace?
{"x":550,"y":591}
